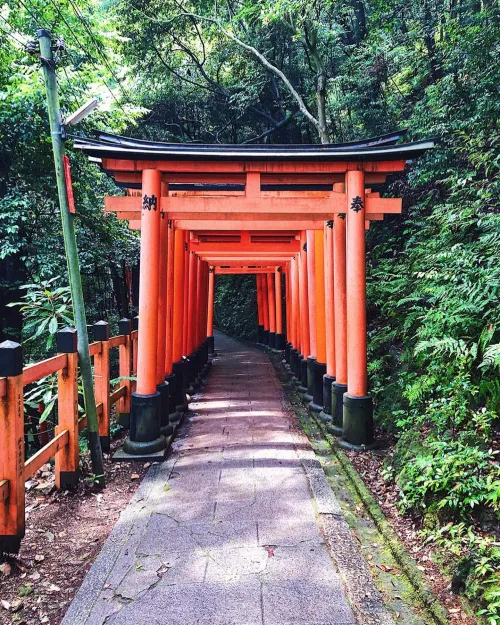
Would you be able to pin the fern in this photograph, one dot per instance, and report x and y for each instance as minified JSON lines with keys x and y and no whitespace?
{"x":491,"y":357}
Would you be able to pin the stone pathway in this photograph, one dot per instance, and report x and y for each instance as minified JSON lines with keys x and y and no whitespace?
{"x":238,"y":527}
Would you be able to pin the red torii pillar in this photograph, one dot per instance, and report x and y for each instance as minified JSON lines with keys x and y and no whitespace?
{"x":311,"y":311}
{"x":265,"y":309}
{"x":358,"y":405}
{"x":339,"y":387}
{"x":260,"y":308}
{"x":185,"y":347}
{"x":191,"y":318}
{"x":280,"y":337}
{"x":178,"y":333}
{"x":169,"y":375}
{"x":329,"y":377}
{"x":295,"y":318}
{"x":145,"y":438}
{"x":161,"y":349}
{"x":272,"y":310}
{"x":288,"y":296}
{"x":319,"y":368}
{"x":304,"y":314}
{"x":210,"y":311}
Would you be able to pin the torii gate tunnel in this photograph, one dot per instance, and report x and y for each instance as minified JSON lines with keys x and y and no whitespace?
{"x":295,"y":216}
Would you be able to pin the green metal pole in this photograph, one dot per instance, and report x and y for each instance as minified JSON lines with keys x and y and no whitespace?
{"x":56,"y":131}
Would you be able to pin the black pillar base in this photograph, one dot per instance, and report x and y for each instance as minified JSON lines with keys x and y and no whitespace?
{"x":319,"y":370}
{"x":145,"y":437}
{"x":11,"y":544}
{"x":358,"y":422}
{"x":123,"y":419}
{"x":265,"y":337}
{"x":105,"y":443}
{"x":69,"y":478}
{"x":310,"y":378}
{"x":302,"y":374}
{"x":288,"y":347}
{"x":165,"y":427}
{"x":211,"y":344}
{"x":193,"y":373}
{"x":294,"y":361}
{"x":179,"y":370}
{"x":174,"y":416}
{"x":326,"y":413}
{"x":272,"y":340}
{"x":279,"y":342}
{"x":260,"y":334}
{"x":337,"y":426}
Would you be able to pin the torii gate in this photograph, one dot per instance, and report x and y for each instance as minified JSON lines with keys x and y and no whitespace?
{"x":207,"y":209}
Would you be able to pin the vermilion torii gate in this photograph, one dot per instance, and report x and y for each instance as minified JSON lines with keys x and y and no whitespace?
{"x":297,"y":211}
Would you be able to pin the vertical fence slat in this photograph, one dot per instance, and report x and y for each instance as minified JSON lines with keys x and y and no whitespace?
{"x":102,"y":376}
{"x":125,"y":371}
{"x":12,"y":509}
{"x":68,"y":458}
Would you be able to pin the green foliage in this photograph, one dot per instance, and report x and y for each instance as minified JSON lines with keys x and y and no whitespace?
{"x":45,"y":310}
{"x":31,"y":243}
{"x":234,"y":306}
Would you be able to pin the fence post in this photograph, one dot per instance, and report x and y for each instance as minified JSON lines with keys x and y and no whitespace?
{"x":101,"y":377}
{"x":125,"y":371}
{"x":12,"y":507}
{"x":68,"y":458}
{"x":135,"y":327}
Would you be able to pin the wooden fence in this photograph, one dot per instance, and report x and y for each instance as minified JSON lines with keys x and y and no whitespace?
{"x":64,"y":446}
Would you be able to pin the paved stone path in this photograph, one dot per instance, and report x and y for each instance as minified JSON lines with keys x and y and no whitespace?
{"x":238,"y":527}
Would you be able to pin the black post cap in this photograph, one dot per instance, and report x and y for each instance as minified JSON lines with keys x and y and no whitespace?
{"x":101,"y":331}
{"x":66,"y":341}
{"x":136,"y":322}
{"x":125,"y":326}
{"x":11,"y":359}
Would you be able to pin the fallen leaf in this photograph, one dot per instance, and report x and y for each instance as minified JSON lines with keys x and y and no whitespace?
{"x":5,"y":604}
{"x":16,"y":605}
{"x":39,"y":557}
{"x":270,"y":550}
{"x":135,"y":476}
{"x":5,"y":569}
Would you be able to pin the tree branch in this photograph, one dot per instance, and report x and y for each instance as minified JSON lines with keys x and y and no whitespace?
{"x":263,"y":61}
{"x":278,"y":126}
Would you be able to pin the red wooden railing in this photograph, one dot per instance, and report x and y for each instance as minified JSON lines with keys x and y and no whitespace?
{"x":64,"y":446}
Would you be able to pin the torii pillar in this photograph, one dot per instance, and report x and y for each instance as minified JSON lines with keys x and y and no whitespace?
{"x":311,"y":309}
{"x":260,"y":308}
{"x":145,"y":437}
{"x":272,"y":310}
{"x":319,"y":369}
{"x":329,"y":377}
{"x":358,"y":405}
{"x":280,"y":337}
{"x":210,"y":311}
{"x":303,"y":314}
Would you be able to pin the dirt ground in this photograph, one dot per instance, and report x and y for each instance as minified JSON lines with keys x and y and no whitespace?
{"x":64,"y":533}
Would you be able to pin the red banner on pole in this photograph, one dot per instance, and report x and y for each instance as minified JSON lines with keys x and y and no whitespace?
{"x":69,"y":184}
